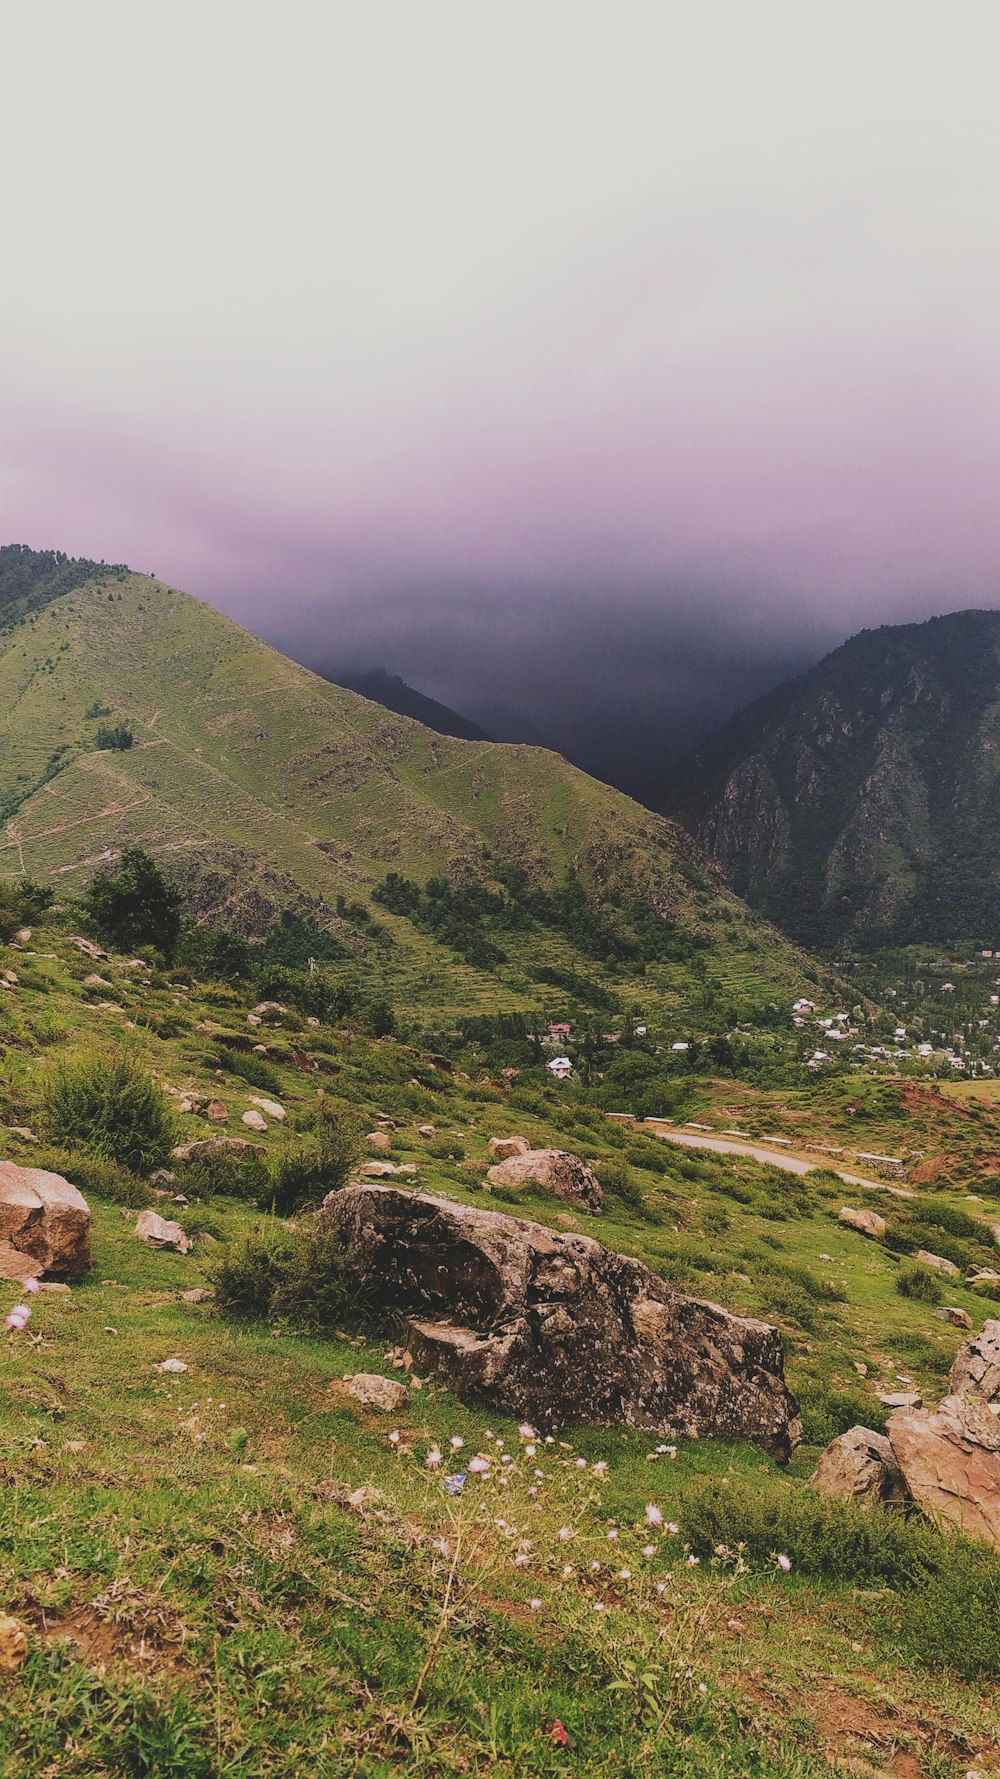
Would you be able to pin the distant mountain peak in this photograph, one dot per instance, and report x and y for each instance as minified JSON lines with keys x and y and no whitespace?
{"x":392,"y":691}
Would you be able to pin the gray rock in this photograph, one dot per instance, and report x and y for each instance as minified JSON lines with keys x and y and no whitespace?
{"x":156,"y":1232}
{"x":556,"y":1171}
{"x":197,"y":1294}
{"x":865,"y":1222}
{"x":950,"y":1312}
{"x":557,"y":1328}
{"x":976,"y":1371}
{"x":378,"y":1392}
{"x":504,"y":1147}
{"x":937,"y":1263}
{"x":859,"y":1466}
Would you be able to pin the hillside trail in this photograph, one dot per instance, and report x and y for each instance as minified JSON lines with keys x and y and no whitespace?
{"x":771,"y":1157}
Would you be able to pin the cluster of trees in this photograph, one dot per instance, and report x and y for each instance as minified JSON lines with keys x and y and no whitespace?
{"x":30,"y":579}
{"x":119,"y":738}
{"x":462,"y":916}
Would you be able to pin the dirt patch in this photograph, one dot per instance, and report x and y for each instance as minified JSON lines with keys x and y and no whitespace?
{"x":892,"y":1741}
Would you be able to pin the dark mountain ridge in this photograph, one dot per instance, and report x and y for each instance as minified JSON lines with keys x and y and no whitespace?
{"x":392,"y":692}
{"x":861,"y":800}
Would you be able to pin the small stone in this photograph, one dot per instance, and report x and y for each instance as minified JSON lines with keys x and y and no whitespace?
{"x":172,"y":1365}
{"x":254,"y":1019}
{"x":216,"y":1112}
{"x":901,"y":1399}
{"x":254,"y":1120}
{"x":958,"y":1318}
{"x":22,"y":1131}
{"x":378,"y":1392}
{"x":426,"y":1130}
{"x":270,"y":1107}
{"x":197,"y":1294}
{"x":156,"y":1232}
{"x":378,"y":1139}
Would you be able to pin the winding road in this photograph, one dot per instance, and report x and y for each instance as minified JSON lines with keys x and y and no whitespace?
{"x":792,"y":1164}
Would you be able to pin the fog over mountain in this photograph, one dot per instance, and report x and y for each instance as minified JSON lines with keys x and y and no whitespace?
{"x":592,"y":390}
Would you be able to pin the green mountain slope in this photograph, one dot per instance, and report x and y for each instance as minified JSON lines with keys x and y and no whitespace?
{"x":860,"y":800}
{"x":264,"y":787}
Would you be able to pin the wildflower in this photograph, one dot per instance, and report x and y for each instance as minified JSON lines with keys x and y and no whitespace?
{"x":526,"y":1430}
{"x":522,"y":1560}
{"x":567,"y":1570}
{"x":532,"y":1489}
{"x":456,"y":1442}
{"x":453,"y":1485}
{"x":649,"y":1550}
{"x":624,"y":1575}
{"x":654,"y":1515}
{"x":506,"y":1459}
{"x":32,"y":1287}
{"x":433,"y":1458}
{"x":535,"y":1605}
{"x":600,"y":1469}
{"x":529,"y":1451}
{"x":478,"y":1465}
{"x":16,"y":1324}
{"x":783,"y":1562}
{"x":394,"y":1437}
{"x":598,"y":1605}
{"x":661,"y":1588}
{"x":612,"y":1533}
{"x":558,"y":1734}
{"x":549,"y":1440}
{"x":693,"y":1562}
{"x":581,"y":1463}
{"x":539,"y":1475}
{"x":702,"y":1688}
{"x":595,"y":1568}
{"x":565,"y":1532}
{"x":671,"y":1528}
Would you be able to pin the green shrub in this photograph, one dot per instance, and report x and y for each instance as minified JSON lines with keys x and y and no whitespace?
{"x":110,"y":1106}
{"x":250,"y":1068}
{"x":936,"y":1596}
{"x":827,"y":1412}
{"x":218,"y":1174}
{"x":299,"y":1277}
{"x":302,"y":1174}
{"x":137,"y":905}
{"x":919,"y":1282}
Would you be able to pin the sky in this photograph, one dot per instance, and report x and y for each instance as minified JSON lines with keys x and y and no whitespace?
{"x":593,"y":366}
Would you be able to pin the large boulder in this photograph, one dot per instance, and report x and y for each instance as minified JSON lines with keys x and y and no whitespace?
{"x":504,"y":1147}
{"x":859,"y":1466}
{"x":44,"y":1217}
{"x":555,"y":1171}
{"x":557,"y":1328}
{"x":865,"y":1222}
{"x":976,"y":1371}
{"x":950,"y":1460}
{"x":937,"y":1263}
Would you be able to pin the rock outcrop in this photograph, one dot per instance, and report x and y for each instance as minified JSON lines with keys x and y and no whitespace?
{"x":45,"y":1218}
{"x":860,"y":1466}
{"x":950,"y":1460}
{"x":157,"y":1232}
{"x":557,"y":1328}
{"x":865,"y":1222}
{"x":976,"y":1371}
{"x":504,"y":1147}
{"x":374,"y":1391}
{"x":555,"y":1171}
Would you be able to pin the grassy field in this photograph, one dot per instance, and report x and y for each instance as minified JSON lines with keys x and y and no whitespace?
{"x":236,"y":1570}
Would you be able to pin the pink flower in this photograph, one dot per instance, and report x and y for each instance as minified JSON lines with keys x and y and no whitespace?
{"x":535,"y":1605}
{"x":693,"y":1562}
{"x":783,"y":1562}
{"x":649,"y":1550}
{"x":433,"y":1458}
{"x":654,"y":1515}
{"x":394,"y":1437}
{"x":526,"y":1430}
{"x":671,"y":1528}
{"x":624,"y":1575}
{"x":522,"y":1560}
{"x":478,"y":1465}
{"x":581,"y":1463}
{"x":32,"y":1287}
{"x":565,"y":1532}
{"x":456,"y":1442}
{"x":612,"y":1533}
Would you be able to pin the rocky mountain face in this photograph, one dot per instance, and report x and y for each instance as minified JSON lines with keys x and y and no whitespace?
{"x":859,"y":801}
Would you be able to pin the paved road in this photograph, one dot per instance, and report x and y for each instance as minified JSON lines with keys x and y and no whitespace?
{"x":691,"y":1139}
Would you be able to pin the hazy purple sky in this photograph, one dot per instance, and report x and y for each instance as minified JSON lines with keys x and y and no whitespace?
{"x":591,"y":365}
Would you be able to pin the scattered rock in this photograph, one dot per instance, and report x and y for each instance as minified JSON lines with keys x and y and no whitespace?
{"x":901,"y":1399}
{"x":156,"y":1232}
{"x":937,"y":1263}
{"x":982,"y":1276}
{"x":382,"y":1170}
{"x":216,"y":1112}
{"x":88,"y":948}
{"x":16,"y":1267}
{"x":504,"y":1148}
{"x":270,"y":1108}
{"x":43,"y":1216}
{"x":312,"y":1020}
{"x":11,"y":977}
{"x":557,"y":1328}
{"x":197,"y":1294}
{"x":950,"y":1460}
{"x":556,"y":1171}
{"x":378,"y":1139}
{"x":269,"y":1007}
{"x":172,"y":1365}
{"x":254,"y":1120}
{"x":958,"y":1318}
{"x":859,"y":1466}
{"x":23,"y":935}
{"x":218,"y":1146}
{"x":13,"y":1644}
{"x":976,"y":1371}
{"x":426,"y":1130}
{"x":378,"y":1392}
{"x":254,"y":1019}
{"x":865,"y":1222}
{"x":162,"y":1178}
{"x":95,"y":981}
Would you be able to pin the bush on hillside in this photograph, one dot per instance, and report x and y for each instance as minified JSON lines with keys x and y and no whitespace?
{"x":255,"y":1070}
{"x":21,"y":902}
{"x":298,"y":1277}
{"x":137,"y":905}
{"x":222,"y":1174}
{"x":919,"y":1282}
{"x":302,"y":1174}
{"x":110,"y":1106}
{"x":95,"y":1176}
{"x":934,"y":1593}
